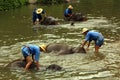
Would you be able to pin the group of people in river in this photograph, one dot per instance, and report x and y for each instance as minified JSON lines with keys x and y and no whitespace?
{"x":39,"y":16}
{"x":39,"y":12}
{"x":35,"y":50}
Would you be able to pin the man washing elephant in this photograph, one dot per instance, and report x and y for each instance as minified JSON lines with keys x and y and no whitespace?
{"x":33,"y":51}
{"x":31,"y":54}
{"x":37,"y":15}
{"x":68,"y":12}
{"x":95,"y":36}
{"x":70,"y":16}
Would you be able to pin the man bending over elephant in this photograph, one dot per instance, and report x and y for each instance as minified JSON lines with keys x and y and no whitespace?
{"x":34,"y":51}
{"x":68,"y":11}
{"x":37,"y":15}
{"x":95,"y":36}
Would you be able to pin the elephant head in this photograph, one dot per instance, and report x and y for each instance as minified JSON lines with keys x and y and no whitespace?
{"x":79,"y":50}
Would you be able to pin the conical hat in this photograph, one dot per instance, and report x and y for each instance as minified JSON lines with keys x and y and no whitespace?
{"x":43,"y":47}
{"x":39,"y":10}
{"x":70,"y":7}
{"x":84,"y":30}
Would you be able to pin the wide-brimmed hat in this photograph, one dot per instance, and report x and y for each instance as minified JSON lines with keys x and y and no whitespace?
{"x":84,"y":30}
{"x":39,"y":10}
{"x":70,"y":7}
{"x":43,"y":47}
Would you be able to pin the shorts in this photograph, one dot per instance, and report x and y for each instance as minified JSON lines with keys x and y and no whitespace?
{"x":25,"y":51}
{"x":99,"y":42}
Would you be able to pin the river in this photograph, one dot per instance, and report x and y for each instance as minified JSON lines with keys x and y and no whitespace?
{"x":16,"y":29}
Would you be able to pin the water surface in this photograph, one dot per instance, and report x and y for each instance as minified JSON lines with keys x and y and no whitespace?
{"x":16,"y":29}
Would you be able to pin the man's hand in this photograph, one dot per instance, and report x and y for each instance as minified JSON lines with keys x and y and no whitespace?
{"x":37,"y":19}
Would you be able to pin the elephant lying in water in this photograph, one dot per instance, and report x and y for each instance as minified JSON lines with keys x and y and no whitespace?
{"x":49,"y":21}
{"x":21,"y":64}
{"x":63,"y":49}
{"x":76,"y":17}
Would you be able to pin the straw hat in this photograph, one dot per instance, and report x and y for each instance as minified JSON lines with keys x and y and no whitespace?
{"x":84,"y":30}
{"x":39,"y":10}
{"x":43,"y":47}
{"x":70,"y":7}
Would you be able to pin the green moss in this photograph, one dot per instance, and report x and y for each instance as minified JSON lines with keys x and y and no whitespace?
{"x":51,"y":1}
{"x":11,"y":4}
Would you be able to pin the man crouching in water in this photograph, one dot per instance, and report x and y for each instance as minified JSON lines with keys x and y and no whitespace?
{"x":34,"y":51}
{"x":95,"y":36}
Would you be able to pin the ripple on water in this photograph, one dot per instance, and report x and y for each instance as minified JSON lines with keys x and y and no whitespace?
{"x":86,"y":76}
{"x":75,"y":66}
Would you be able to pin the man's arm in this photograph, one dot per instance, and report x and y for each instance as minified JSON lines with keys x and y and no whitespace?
{"x":37,"y":55}
{"x":88,"y":46}
{"x":33,"y":57}
{"x":83,"y":44}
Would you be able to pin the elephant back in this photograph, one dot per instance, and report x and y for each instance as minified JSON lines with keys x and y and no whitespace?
{"x":20,"y":64}
{"x":58,"y":47}
{"x":49,"y":20}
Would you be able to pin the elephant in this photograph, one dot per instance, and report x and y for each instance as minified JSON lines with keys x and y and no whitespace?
{"x":76,"y":17}
{"x":18,"y":63}
{"x":49,"y":20}
{"x":61,"y":49}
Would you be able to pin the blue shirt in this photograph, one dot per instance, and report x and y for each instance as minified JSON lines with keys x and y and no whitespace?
{"x":67,"y":11}
{"x":31,"y":49}
{"x":93,"y":35}
{"x":37,"y":16}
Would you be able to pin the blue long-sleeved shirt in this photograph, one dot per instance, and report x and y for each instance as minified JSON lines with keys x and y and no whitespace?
{"x":67,"y":11}
{"x":37,"y":16}
{"x":32,"y":49}
{"x":93,"y":35}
